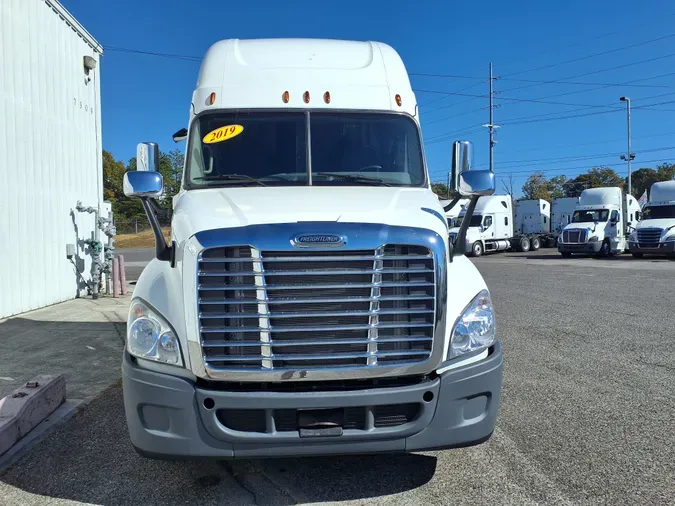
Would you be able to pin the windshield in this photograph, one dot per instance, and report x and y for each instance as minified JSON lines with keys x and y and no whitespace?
{"x":590,"y":216}
{"x":658,"y":212}
{"x":476,"y":220}
{"x":272,"y":149}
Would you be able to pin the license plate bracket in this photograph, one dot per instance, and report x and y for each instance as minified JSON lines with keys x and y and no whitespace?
{"x":321,"y":422}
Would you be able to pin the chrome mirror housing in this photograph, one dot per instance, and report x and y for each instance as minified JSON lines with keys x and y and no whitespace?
{"x":143,"y":184}
{"x":465,"y":181}
{"x":147,"y":157}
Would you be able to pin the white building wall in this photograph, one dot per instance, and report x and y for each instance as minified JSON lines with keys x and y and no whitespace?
{"x":50,"y":153}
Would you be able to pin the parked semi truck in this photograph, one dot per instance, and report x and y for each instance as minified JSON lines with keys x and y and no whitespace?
{"x":655,"y":233}
{"x":601,"y":223}
{"x":562,"y":210}
{"x":453,"y":210}
{"x":309,"y":300}
{"x":496,"y":226}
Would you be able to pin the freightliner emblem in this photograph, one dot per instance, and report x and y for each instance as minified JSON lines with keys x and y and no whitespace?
{"x":318,"y":241}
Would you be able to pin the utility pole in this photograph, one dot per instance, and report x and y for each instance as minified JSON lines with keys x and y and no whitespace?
{"x":628,"y":156}
{"x":491,"y":126}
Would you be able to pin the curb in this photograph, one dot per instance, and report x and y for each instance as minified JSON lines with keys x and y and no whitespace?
{"x":26,"y":407}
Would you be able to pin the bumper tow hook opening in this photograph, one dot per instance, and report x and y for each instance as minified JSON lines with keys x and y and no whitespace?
{"x":209,"y":403}
{"x":428,"y":396}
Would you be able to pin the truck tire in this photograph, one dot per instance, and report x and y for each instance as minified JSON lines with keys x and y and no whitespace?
{"x":605,"y":249}
{"x":524,"y":244}
{"x":638,"y":255}
{"x":566,"y":254}
{"x":477,"y":249}
{"x":535,"y":244}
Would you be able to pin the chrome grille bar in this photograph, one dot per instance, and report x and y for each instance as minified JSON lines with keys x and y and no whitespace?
{"x":345,"y":258}
{"x":315,"y":310}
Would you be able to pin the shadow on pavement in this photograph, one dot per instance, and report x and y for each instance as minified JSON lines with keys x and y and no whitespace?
{"x":90,"y":459}
{"x":88,"y":353}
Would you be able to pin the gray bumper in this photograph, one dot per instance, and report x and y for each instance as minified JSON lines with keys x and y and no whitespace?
{"x":589,"y":247}
{"x":167,"y":417}
{"x":663,"y":248}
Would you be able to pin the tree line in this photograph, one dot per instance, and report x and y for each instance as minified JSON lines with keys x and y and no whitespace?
{"x":538,"y":186}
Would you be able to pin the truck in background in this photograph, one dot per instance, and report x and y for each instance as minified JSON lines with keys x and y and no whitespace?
{"x":309,"y":301}
{"x":496,"y":226}
{"x":562,"y":210}
{"x":655,"y":233}
{"x":601,"y":223}
{"x":453,"y":212}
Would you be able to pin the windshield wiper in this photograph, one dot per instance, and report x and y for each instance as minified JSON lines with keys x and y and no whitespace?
{"x":242,"y":178}
{"x":353,"y":178}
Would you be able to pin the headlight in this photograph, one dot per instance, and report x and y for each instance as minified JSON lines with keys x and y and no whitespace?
{"x":670,"y":238}
{"x":593,"y":239}
{"x":150,"y":337}
{"x":633,"y":237}
{"x":475,"y":329}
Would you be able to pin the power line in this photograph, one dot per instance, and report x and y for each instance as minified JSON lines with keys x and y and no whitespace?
{"x":587,"y":57}
{"x":551,"y":81}
{"x":601,"y":71}
{"x":556,"y":115}
{"x":537,"y":161}
{"x":579,"y":42}
{"x":594,"y":143}
{"x":151,"y":53}
{"x":580,"y":167}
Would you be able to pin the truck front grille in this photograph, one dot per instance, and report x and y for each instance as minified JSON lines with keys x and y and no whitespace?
{"x":300,"y":310}
{"x":649,"y":236}
{"x":575,"y":236}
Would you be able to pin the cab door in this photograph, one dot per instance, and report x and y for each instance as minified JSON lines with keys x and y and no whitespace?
{"x":488,"y":228}
{"x":614,"y":228}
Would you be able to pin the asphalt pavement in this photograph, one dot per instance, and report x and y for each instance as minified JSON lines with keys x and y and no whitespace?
{"x":587,"y":414}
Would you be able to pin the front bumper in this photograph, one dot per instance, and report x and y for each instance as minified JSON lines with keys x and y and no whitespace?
{"x":167,"y":417}
{"x":662,"y":248}
{"x":588,"y":247}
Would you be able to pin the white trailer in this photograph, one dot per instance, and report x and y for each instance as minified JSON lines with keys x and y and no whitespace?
{"x":601,"y":223}
{"x":655,"y":233}
{"x":562,"y":210}
{"x":496,"y":226}
{"x":50,"y":154}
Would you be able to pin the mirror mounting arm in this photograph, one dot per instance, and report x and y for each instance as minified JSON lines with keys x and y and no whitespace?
{"x":452,"y":203}
{"x":163,"y":251}
{"x":460,"y":240}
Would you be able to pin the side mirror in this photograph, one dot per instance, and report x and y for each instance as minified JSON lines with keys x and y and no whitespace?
{"x":143,"y":184}
{"x":477,"y":183}
{"x":180,"y":135}
{"x":464,"y":180}
{"x":147,"y":183}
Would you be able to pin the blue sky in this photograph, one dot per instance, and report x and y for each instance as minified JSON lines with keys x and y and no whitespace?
{"x":560,"y":128}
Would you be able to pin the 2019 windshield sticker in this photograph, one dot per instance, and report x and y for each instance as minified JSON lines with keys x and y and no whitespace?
{"x":224,"y":133}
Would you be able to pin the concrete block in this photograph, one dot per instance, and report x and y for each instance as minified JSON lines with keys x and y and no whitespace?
{"x":27,"y":406}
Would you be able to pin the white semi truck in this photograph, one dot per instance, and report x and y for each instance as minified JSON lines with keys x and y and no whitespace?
{"x":495,"y":226}
{"x":655,"y":233}
{"x":309,"y":300}
{"x":453,"y":210}
{"x":601,"y":223}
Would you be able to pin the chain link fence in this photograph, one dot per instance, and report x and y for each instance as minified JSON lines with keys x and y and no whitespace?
{"x":131,"y":226}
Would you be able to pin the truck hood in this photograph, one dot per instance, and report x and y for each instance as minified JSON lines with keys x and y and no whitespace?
{"x":600,"y":227}
{"x":198,"y":210}
{"x":659,"y":223}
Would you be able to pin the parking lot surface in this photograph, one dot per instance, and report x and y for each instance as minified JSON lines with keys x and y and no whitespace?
{"x":587,"y":414}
